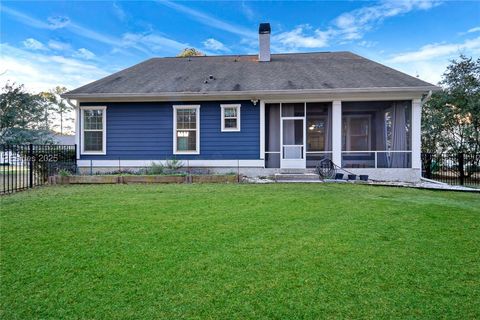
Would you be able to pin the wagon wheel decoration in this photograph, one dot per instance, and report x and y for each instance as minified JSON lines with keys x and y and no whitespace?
{"x":326,"y":169}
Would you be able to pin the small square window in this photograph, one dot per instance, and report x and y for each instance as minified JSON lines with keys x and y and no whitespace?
{"x":230,"y":117}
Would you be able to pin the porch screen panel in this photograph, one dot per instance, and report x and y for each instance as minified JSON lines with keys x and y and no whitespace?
{"x":397,"y":136}
{"x":293,"y":109}
{"x":319,"y":132}
{"x":376,"y":134}
{"x":272,"y":135}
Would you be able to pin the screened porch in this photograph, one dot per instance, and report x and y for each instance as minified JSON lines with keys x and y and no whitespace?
{"x":370,"y":134}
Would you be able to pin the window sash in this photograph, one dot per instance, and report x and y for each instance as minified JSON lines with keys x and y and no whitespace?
{"x":94,"y":121}
{"x":233,"y":110}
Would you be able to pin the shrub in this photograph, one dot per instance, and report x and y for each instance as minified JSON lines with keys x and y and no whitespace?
{"x":64,"y":173}
{"x":155,"y":168}
{"x":173,"y":164}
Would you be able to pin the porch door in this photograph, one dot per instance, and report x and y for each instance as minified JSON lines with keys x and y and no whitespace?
{"x":292,"y":155}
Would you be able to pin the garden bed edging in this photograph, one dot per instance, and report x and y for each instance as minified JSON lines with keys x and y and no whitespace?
{"x":99,"y":179}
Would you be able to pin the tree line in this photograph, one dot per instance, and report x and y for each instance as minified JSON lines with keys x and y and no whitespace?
{"x":33,"y":118}
{"x":451,"y":118}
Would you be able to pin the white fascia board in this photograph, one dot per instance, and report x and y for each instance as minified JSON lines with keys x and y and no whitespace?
{"x":232,"y":95}
{"x":185,"y":163}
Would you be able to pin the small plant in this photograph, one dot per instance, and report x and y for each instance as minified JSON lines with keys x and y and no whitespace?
{"x":174,"y":164}
{"x":64,"y":173}
{"x":155,"y":168}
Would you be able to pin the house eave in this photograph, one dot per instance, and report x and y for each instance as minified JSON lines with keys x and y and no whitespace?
{"x":255,"y":94}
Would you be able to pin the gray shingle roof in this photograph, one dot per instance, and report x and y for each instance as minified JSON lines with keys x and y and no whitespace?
{"x":299,"y":71}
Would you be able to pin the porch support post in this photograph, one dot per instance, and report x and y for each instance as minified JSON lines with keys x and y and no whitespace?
{"x":77,"y":129}
{"x":262,"y":129}
{"x":337,"y":132}
{"x":416,"y":134}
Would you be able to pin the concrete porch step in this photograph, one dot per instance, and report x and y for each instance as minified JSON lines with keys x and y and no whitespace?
{"x":296,"y":177}
{"x":297,"y":171}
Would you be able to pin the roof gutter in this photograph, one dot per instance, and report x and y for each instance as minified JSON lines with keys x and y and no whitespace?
{"x":252,"y":93}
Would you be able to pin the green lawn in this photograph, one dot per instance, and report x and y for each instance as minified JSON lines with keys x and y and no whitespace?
{"x":283,"y":251}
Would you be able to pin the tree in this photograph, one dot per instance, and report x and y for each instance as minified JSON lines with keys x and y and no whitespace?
{"x":23,"y":116}
{"x":451,"y":119}
{"x":59,"y":107}
{"x":190,"y":52}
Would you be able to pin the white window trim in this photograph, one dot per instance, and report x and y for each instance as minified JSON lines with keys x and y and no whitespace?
{"x":237,"y":106}
{"x":348,"y":136}
{"x":197,"y":130}
{"x":104,"y":130}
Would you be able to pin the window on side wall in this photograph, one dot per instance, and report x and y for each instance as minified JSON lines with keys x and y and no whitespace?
{"x":93,"y":140}
{"x":230,"y":117}
{"x":186,"y":123}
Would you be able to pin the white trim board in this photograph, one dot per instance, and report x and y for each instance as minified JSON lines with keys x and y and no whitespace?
{"x":77,"y":129}
{"x":416,"y":135}
{"x":190,"y":163}
{"x":253,"y":94}
{"x":300,"y":97}
{"x":262,"y":129}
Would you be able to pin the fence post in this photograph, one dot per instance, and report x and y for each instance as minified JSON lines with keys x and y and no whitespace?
{"x":30,"y":165}
{"x":461,"y":168}
{"x":428,"y":165}
{"x":75,"y":159}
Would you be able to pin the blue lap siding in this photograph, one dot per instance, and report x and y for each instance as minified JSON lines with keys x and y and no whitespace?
{"x":144,"y":131}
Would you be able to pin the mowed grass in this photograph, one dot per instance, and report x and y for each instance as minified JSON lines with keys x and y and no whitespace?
{"x":281,"y":251}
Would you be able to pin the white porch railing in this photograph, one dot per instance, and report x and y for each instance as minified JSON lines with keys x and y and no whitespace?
{"x":292,"y":151}
{"x":357,"y":163}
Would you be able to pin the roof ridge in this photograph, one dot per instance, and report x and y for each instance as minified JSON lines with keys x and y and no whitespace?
{"x":254,"y":55}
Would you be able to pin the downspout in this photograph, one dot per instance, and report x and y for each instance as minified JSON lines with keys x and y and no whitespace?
{"x":69,"y":101}
{"x":77,"y":127}
{"x":426,"y":98}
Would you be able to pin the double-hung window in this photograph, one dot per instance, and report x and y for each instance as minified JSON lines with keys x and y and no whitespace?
{"x":230,"y":117}
{"x":93,"y":128}
{"x":186,"y":129}
{"x":356,"y":133}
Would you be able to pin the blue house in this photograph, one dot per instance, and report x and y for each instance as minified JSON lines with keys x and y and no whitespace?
{"x":262,"y":114}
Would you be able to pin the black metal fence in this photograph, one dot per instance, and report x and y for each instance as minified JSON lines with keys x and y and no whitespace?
{"x":27,"y":166}
{"x":452,"y":168}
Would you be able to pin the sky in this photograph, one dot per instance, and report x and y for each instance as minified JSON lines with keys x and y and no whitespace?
{"x":71,"y":43}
